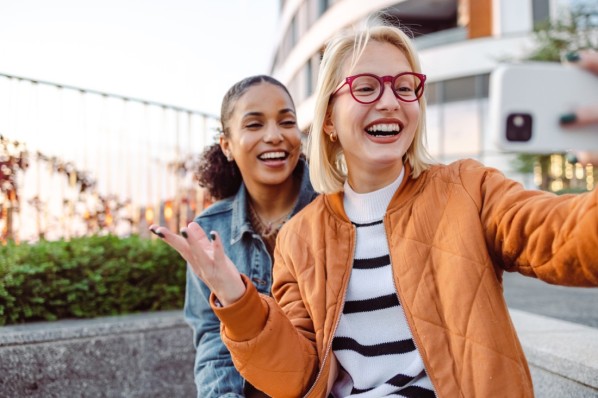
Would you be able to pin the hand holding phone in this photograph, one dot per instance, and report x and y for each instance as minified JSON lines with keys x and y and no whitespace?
{"x":588,"y":114}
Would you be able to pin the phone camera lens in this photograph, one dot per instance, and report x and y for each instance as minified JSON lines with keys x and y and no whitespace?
{"x":519,"y":127}
{"x":518,"y":121}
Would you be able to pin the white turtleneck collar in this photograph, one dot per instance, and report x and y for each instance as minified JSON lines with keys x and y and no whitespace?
{"x":368,"y":207}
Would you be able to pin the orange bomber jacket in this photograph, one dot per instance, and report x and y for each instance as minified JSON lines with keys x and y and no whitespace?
{"x":451,"y":232}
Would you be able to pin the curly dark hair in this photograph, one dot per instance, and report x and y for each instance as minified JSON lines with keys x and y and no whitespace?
{"x":215,"y":173}
{"x":221,"y":177}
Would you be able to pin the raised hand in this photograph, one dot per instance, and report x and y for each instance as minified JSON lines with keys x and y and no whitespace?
{"x":588,"y":114}
{"x":207,"y":260}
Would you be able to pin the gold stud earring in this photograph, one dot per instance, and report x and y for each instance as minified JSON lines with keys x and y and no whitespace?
{"x":333,"y":137}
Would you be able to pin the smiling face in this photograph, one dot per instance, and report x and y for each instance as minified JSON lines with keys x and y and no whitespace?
{"x":375,"y":136}
{"x":263,"y":137}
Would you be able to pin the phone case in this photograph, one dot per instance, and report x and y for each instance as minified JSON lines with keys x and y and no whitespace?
{"x":527,"y":101}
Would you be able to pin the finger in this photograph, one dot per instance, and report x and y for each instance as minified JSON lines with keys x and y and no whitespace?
{"x":587,"y":59}
{"x":154,"y":229}
{"x":175,"y":241}
{"x":233,"y":288}
{"x":199,"y":245}
{"x":582,"y":116}
{"x":196,"y":235}
{"x":587,"y":114}
{"x":195,"y":231}
{"x":219,"y":256}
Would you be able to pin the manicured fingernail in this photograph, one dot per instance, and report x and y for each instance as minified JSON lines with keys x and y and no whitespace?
{"x":213,"y":236}
{"x":568,"y":118}
{"x":184,"y":233}
{"x":573,"y":56}
{"x":160,"y":234}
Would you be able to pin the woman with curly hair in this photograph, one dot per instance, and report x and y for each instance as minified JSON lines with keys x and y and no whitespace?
{"x":259,"y":178}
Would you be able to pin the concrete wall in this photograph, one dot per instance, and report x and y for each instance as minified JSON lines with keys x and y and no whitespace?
{"x":145,"y":355}
{"x":151,"y":355}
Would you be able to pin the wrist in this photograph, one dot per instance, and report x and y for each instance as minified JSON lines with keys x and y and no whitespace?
{"x":231,"y":293}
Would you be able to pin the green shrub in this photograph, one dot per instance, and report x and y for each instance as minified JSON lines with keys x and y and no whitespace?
{"x":88,"y":277}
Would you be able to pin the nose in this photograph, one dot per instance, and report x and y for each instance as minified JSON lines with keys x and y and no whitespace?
{"x":388,"y":100}
{"x":273,"y":133}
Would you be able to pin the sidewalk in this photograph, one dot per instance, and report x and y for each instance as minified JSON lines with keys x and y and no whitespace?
{"x":563,"y":356}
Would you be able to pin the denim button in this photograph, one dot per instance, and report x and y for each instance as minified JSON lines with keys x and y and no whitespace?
{"x":259,"y":281}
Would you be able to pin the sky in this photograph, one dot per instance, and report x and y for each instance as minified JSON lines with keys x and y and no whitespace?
{"x":184,"y":53}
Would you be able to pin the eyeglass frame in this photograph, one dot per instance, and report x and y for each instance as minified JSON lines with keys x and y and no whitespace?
{"x":383,"y":79}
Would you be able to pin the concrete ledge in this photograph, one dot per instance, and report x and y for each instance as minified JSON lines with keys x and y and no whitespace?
{"x":144,"y":355}
{"x":151,"y":355}
{"x":563,"y":356}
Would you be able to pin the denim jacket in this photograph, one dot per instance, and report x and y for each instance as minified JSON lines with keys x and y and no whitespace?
{"x":215,"y":374}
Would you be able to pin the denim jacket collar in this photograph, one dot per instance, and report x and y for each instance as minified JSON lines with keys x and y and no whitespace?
{"x":240,"y":223}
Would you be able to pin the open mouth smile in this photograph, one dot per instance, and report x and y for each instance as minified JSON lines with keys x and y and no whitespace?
{"x":384,"y":130}
{"x":273,"y":156}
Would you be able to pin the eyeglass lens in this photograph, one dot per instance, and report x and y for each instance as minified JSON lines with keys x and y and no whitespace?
{"x":368,"y":88}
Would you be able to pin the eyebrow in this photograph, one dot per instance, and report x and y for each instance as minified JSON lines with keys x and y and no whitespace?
{"x":281,"y":112}
{"x":286,"y":110}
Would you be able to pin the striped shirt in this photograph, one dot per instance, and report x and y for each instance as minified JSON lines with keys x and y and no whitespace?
{"x":373,"y":342}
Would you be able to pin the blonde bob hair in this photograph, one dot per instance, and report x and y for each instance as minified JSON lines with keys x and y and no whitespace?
{"x":328,"y":170}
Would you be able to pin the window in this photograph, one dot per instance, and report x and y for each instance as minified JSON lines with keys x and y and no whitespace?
{"x":308,"y":79}
{"x":540,"y":11}
{"x":323,"y":5}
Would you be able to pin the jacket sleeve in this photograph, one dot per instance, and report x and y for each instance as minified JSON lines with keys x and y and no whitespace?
{"x":266,"y":347}
{"x":214,"y":372}
{"x":537,"y":233}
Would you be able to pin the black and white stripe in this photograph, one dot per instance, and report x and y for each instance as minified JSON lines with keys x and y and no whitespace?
{"x":373,"y":342}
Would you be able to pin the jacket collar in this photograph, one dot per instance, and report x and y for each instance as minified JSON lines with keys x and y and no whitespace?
{"x":335,"y":200}
{"x":240,"y":221}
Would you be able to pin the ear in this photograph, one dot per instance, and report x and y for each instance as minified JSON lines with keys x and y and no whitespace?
{"x":224,"y":144}
{"x":328,"y":123}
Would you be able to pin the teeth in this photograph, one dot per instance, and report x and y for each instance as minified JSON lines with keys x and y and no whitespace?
{"x":384,"y":128}
{"x":272,"y":155}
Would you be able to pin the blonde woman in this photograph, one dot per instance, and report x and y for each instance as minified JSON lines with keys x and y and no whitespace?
{"x":389,"y":284}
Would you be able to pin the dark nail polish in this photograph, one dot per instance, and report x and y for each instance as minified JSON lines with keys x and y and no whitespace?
{"x":184,"y":233}
{"x":160,"y":234}
{"x":212,"y":236}
{"x":568,"y":118}
{"x":573,"y":56}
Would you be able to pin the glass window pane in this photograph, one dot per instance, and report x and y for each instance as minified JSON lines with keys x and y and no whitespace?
{"x":483,"y":85}
{"x":461,"y":127}
{"x":434,"y":127}
{"x":459,"y":89}
{"x":541,"y":11}
{"x":432,"y":93}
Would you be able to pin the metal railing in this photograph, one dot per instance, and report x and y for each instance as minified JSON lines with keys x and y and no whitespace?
{"x":76,"y":161}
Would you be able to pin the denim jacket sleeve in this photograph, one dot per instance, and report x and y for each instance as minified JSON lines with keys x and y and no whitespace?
{"x":215,"y":374}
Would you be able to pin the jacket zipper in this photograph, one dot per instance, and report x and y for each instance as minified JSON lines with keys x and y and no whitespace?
{"x":397,"y":290}
{"x":415,"y":343}
{"x":338,"y":319}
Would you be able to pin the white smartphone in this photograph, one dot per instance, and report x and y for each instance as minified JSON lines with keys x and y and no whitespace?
{"x":527,"y":101}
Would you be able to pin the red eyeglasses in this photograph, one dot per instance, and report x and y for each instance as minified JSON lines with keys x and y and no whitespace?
{"x":367,"y":88}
